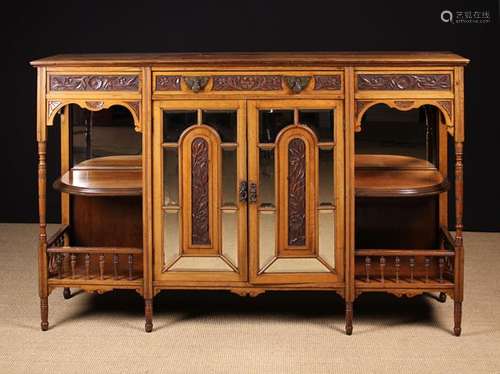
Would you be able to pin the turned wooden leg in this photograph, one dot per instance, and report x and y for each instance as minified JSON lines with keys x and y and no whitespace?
{"x":442,"y":297}
{"x":458,"y":318}
{"x":67,"y":293}
{"x":148,"y":311}
{"x":348,"y":318}
{"x":44,"y":312}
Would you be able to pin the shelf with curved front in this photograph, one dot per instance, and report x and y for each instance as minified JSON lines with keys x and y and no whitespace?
{"x":103,"y":176}
{"x":379,"y":175}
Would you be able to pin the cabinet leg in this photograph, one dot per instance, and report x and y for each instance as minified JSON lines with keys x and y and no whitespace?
{"x":67,"y":293}
{"x":148,"y":311}
{"x":44,"y":312}
{"x":348,"y":318}
{"x":458,"y":318}
{"x":442,"y":297}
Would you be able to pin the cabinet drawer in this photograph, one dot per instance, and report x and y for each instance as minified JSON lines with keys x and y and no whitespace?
{"x":385,"y":83}
{"x":302,"y":83}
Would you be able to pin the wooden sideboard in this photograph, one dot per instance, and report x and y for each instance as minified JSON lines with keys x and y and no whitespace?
{"x":249,"y":177}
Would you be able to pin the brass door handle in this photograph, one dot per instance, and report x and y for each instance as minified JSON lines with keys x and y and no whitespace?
{"x":243,"y":191}
{"x":252,"y":192}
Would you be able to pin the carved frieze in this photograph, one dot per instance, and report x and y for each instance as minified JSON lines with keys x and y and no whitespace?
{"x":327,"y":82}
{"x":247,"y":83}
{"x":168,"y":83}
{"x":63,"y":82}
{"x":402,"y":82}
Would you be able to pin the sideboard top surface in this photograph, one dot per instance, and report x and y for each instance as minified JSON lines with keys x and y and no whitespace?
{"x":256,"y":58}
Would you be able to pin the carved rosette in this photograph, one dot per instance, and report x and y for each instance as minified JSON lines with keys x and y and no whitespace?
{"x":296,"y":192}
{"x":168,"y":83}
{"x":327,"y":82}
{"x":247,"y":83}
{"x":404,"y":104}
{"x":94,"y":82}
{"x":95,"y":105}
{"x":403,"y":82}
{"x":200,"y":233}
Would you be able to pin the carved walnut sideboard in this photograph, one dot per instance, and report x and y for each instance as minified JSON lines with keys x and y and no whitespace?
{"x":248,"y":176}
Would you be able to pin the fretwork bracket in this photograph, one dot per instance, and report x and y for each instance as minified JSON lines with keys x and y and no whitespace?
{"x":134,"y":107}
{"x":445,"y":108}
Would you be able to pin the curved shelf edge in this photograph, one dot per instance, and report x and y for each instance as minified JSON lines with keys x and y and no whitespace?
{"x":103,"y":176}
{"x":89,"y":191}
{"x":397,"y":176}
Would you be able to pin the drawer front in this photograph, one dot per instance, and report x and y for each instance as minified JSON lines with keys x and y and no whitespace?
{"x":238,"y":83}
{"x":404,"y":84}
{"x":93,"y":82}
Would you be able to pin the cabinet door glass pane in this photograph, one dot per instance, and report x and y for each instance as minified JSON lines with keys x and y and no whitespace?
{"x":224,"y":122}
{"x":229,"y":171}
{"x":271,"y":122}
{"x":175,"y":122}
{"x":325,"y":176}
{"x":171,"y":237}
{"x":171,"y":176}
{"x":266,"y":177}
{"x":320,"y":121}
{"x":267,"y":237}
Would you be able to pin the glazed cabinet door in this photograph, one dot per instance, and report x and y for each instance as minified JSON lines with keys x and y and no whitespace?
{"x":296,"y":191}
{"x":200,"y":221}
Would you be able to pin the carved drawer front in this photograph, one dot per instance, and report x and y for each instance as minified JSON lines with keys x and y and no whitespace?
{"x":404,"y":83}
{"x":127,"y":82}
{"x":270,"y":83}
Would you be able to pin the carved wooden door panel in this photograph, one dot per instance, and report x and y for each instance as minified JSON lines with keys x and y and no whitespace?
{"x":296,"y":199}
{"x":200,"y":222}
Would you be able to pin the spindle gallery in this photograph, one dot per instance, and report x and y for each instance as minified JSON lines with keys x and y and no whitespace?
{"x":253,"y":172}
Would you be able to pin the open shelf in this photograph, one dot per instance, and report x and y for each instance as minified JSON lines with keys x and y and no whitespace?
{"x":104,"y":176}
{"x":396,"y":176}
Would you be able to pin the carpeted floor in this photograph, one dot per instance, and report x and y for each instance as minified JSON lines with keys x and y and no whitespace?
{"x":212,"y":332}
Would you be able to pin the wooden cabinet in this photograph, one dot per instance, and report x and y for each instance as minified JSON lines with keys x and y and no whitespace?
{"x":251,"y":174}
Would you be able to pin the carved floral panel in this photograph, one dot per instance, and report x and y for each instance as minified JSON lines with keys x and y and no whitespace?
{"x":247,"y":83}
{"x":402,"y":82}
{"x":199,"y":192}
{"x":296,"y":192}
{"x":94,"y":82}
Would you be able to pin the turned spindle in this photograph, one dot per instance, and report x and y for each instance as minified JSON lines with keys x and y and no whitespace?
{"x":73,"y":265}
{"x":87,"y":266}
{"x":368,"y":264}
{"x":441,"y":269}
{"x":397,"y":265}
{"x":101,"y":266}
{"x":130,"y":266}
{"x":382,"y":268}
{"x":59,"y":265}
{"x":115,"y":266}
{"x":412,"y":267}
{"x":427,"y":265}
